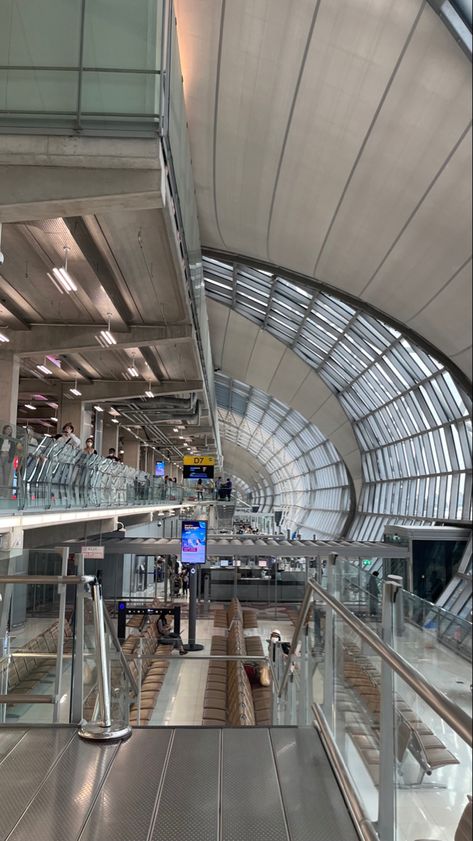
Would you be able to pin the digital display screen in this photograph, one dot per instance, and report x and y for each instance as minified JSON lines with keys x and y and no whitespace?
{"x":193,"y":541}
{"x":226,"y":562}
{"x":159,"y":468}
{"x":197,"y":471}
{"x":262,"y":563}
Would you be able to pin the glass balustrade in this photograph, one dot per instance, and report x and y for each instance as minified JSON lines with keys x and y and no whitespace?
{"x":52,"y":474}
{"x":401,"y":745}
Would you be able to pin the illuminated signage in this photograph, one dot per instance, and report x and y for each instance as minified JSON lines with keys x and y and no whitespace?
{"x":193,"y":541}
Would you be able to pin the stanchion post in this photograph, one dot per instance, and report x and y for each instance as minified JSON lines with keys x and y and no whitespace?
{"x":104,"y":729}
{"x":387,"y":759}
{"x":191,"y":644}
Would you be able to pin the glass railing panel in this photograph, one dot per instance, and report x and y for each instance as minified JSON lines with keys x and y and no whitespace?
{"x":96,"y":68}
{"x":32,"y":665}
{"x":433,"y":773}
{"x":355,"y":711}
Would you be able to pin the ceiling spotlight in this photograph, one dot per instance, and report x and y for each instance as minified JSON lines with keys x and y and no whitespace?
{"x":98,"y":408}
{"x":4,"y":338}
{"x":75,"y":391}
{"x":30,"y":406}
{"x":149,"y":394}
{"x":65,"y":282}
{"x":43,"y":369}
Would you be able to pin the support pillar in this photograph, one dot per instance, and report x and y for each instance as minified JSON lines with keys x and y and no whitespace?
{"x":131,"y":454}
{"x":9,"y":382}
{"x":109,"y":438}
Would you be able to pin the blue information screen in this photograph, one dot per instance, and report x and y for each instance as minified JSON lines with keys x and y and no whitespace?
{"x":193,"y":541}
{"x":159,"y":468}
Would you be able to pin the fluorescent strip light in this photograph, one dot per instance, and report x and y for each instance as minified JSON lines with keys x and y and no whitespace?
{"x":44,"y":369}
{"x":75,"y":392}
{"x":98,"y":408}
{"x":105,"y":338}
{"x":149,"y":394}
{"x":4,"y":338}
{"x":132,"y":371}
{"x":29,"y":406}
{"x":54,"y":419}
{"x":114,"y":420}
{"x":63,"y":277}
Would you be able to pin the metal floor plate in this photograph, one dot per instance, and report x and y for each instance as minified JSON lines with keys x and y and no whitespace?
{"x":164,"y":784}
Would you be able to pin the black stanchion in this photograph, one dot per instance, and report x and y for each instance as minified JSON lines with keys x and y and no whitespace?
{"x":192,"y":645}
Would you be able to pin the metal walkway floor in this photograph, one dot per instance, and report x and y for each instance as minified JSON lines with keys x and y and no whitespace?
{"x":185,"y":784}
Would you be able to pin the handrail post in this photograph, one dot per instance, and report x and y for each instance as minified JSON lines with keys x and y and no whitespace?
{"x":329,"y":675}
{"x":104,"y":729}
{"x":387,"y":752}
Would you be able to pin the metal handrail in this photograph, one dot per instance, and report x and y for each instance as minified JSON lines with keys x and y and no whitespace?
{"x":451,"y":713}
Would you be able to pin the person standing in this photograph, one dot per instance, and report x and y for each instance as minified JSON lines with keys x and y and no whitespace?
{"x":69,"y":436}
{"x":200,"y":489}
{"x":373,"y":591}
{"x":7,"y":454}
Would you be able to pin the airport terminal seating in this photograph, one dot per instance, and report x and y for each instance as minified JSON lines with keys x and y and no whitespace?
{"x":359,"y":699}
{"x":230,"y":699}
{"x":25,"y":672}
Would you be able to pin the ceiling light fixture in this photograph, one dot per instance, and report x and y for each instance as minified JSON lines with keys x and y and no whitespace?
{"x":43,"y":369}
{"x":65,"y":281}
{"x":75,"y":391}
{"x":54,"y":419}
{"x":114,"y":420}
{"x":4,"y":338}
{"x":105,"y":337}
{"x":30,"y":406}
{"x":98,"y":408}
{"x":149,"y":394}
{"x":132,"y":371}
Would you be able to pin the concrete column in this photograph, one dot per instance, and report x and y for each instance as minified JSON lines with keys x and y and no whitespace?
{"x":131,"y":454}
{"x":9,"y":380}
{"x":110,"y":438}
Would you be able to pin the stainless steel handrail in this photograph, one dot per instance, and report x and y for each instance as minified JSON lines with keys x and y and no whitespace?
{"x":453,"y":715}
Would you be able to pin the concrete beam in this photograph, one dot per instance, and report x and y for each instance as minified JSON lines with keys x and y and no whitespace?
{"x":64,"y":339}
{"x":50,"y":176}
{"x":103,"y":391}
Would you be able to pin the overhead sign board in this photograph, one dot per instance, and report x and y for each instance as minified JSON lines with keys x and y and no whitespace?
{"x":97,"y":552}
{"x":201,"y":461}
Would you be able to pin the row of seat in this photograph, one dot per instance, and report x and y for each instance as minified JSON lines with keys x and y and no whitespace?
{"x":413,"y":736}
{"x":153,"y":672}
{"x":229,"y":698}
{"x":25,"y":672}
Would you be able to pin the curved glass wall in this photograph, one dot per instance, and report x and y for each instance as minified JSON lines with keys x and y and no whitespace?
{"x":411,"y":420}
{"x":302,"y":475}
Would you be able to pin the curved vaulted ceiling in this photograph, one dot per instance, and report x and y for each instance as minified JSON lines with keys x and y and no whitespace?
{"x":292,"y":466}
{"x":332,"y":138}
{"x":358,"y":380}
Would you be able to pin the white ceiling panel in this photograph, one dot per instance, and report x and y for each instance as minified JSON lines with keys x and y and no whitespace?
{"x":432,"y":247}
{"x":218,"y":316}
{"x":450,"y":310}
{"x":324,"y":126}
{"x":425,"y":112}
{"x":240,"y":338}
{"x":290,"y":374}
{"x":265,"y":358}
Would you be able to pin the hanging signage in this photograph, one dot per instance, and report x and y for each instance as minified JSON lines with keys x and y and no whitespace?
{"x":202,"y":461}
{"x":197,"y":471}
{"x":96,"y":552}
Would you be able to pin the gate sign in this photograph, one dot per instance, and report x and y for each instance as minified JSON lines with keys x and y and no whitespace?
{"x":199,"y":461}
{"x":97,"y":552}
